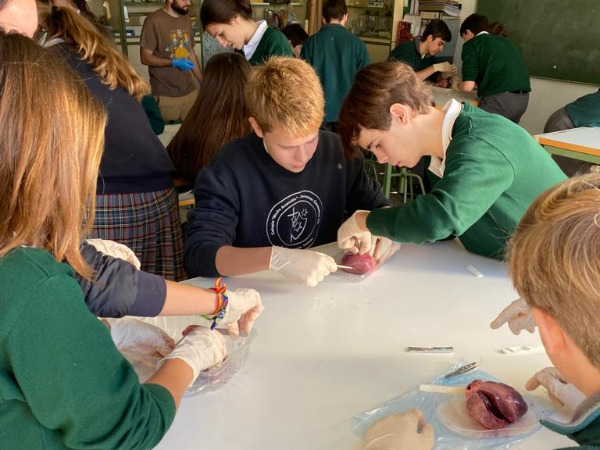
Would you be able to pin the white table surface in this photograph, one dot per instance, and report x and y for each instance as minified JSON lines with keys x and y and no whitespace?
{"x":169,"y":133}
{"x":441,"y":96}
{"x":326,"y":353}
{"x":583,"y":136}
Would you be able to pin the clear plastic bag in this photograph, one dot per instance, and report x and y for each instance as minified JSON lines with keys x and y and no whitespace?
{"x":208,"y":380}
{"x":442,"y":410}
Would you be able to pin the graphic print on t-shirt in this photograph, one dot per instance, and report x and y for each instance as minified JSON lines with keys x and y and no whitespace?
{"x":294,"y":222}
{"x":180,"y":44}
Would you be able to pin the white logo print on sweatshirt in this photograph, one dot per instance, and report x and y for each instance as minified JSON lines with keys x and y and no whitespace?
{"x":294,"y":221}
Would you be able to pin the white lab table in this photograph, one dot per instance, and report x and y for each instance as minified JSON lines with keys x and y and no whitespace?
{"x":581,"y":143}
{"x":326,"y":353}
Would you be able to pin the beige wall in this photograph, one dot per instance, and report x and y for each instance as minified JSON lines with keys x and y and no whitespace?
{"x":546,"y":95}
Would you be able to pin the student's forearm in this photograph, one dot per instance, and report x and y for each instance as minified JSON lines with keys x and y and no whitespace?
{"x":425,"y":73}
{"x":175,"y":376}
{"x":149,"y":59}
{"x":185,"y":299}
{"x":231,"y":261}
{"x":466,"y":86}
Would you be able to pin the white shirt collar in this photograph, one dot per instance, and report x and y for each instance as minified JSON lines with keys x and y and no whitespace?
{"x":250,"y":47}
{"x":481,"y":32}
{"x":452,"y":110}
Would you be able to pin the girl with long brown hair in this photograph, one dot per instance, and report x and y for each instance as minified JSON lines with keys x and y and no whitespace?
{"x":218,"y":116}
{"x":63,"y":382}
{"x":136,"y":203}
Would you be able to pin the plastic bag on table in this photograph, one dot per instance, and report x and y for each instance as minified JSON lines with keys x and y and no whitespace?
{"x":440,"y":409}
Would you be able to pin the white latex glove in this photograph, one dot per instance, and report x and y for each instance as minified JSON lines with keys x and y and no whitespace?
{"x":559,"y":390}
{"x":302,"y":266}
{"x":383,"y":249}
{"x":401,"y":431}
{"x":116,"y":250}
{"x":443,"y":67}
{"x":352,"y":238}
{"x":243,"y":308}
{"x":518,"y":316}
{"x":136,"y":337}
{"x":200,"y":349}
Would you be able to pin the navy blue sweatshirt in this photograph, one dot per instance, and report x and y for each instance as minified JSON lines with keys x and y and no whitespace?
{"x":245,"y":199}
{"x":134,"y":159}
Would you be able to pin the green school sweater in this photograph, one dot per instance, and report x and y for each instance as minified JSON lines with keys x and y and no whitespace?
{"x":63,"y":384}
{"x":273,"y":43}
{"x":408,"y":53}
{"x":494,"y":171}
{"x":585,"y":111}
{"x":336,"y":55}
{"x":495,"y":64}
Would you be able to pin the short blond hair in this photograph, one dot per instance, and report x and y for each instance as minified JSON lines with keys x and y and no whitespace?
{"x":286,"y":92}
{"x":50,"y":151}
{"x":554,"y":259}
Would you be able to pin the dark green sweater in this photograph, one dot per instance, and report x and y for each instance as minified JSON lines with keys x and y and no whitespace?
{"x":495,"y":64}
{"x":494,"y":171}
{"x":585,"y":111}
{"x":273,"y":43}
{"x":337,"y":55}
{"x":63,"y":384}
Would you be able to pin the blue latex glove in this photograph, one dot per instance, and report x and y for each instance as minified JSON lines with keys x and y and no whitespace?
{"x":183,"y":64}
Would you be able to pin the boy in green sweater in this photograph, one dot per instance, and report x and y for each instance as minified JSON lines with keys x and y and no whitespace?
{"x":336,"y":56}
{"x":493,"y":65}
{"x":553,"y":262}
{"x":489,"y":169}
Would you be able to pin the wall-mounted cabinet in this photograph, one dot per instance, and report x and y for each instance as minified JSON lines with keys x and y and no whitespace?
{"x":375,"y":22}
{"x":279,"y":15}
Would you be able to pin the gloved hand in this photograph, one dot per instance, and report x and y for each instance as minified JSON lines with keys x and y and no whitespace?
{"x":137,"y":337}
{"x":200,"y":349}
{"x":383,"y":249}
{"x":518,"y":316}
{"x":116,"y":250}
{"x":559,"y":390}
{"x":443,"y":67}
{"x":183,"y":64}
{"x":352,"y":238}
{"x":243,"y":307}
{"x":302,"y":266}
{"x":400,"y":431}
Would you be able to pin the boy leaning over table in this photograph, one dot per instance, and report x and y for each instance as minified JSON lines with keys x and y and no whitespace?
{"x":266,"y":198}
{"x":553,"y":262}
{"x":489,"y":169}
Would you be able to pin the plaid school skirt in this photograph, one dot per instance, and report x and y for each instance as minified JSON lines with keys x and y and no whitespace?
{"x":148,"y":223}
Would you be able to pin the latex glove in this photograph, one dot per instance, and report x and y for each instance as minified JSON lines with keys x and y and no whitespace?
{"x":116,"y":250}
{"x":302,"y":266}
{"x":443,"y":67}
{"x":450,"y":73}
{"x":518,"y":316}
{"x":183,"y":64}
{"x":559,"y":390}
{"x":140,"y":338}
{"x":352,"y":238}
{"x":200,"y":349}
{"x":400,"y":431}
{"x":243,"y":308}
{"x":383,"y":249}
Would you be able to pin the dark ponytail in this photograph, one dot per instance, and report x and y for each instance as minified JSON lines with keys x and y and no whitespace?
{"x":222,"y":11}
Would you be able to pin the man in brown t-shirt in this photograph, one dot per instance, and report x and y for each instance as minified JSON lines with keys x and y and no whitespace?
{"x":167,"y":48}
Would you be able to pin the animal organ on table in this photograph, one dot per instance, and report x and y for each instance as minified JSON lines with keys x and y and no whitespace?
{"x":494,"y":405}
{"x":361,"y":264}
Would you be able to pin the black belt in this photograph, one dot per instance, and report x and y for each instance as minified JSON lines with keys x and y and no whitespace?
{"x":518,"y":92}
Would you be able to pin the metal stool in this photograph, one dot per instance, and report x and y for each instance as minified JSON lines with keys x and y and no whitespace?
{"x":405,"y":185}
